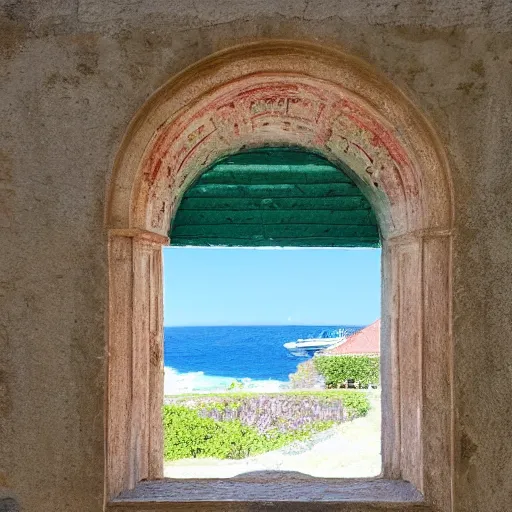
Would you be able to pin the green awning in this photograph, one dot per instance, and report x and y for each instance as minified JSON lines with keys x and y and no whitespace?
{"x":274,"y":197}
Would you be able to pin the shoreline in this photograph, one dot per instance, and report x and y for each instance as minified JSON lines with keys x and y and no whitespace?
{"x":176,"y":383}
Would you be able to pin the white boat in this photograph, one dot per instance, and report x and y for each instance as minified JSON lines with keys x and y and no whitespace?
{"x":324,"y":340}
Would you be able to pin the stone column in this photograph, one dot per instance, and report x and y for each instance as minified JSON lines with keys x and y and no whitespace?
{"x":135,"y":359}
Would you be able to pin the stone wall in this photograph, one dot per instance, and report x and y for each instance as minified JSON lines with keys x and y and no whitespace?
{"x":73,"y":75}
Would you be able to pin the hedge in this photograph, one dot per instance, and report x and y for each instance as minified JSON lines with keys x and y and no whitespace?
{"x":235,"y":425}
{"x":286,"y":410}
{"x":189,"y":435}
{"x":337,"y":370}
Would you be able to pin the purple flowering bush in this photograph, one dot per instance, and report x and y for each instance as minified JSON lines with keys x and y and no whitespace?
{"x":237,"y":424}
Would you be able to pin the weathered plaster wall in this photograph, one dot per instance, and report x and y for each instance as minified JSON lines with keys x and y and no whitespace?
{"x":74,"y":73}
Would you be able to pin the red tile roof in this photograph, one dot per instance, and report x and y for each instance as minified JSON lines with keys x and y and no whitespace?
{"x":365,"y":341}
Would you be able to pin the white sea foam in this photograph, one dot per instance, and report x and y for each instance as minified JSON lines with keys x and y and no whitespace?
{"x":197,"y":382}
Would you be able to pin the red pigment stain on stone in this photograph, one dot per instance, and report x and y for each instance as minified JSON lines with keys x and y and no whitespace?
{"x":154,"y":161}
{"x":380,"y":136}
{"x":274,"y":100}
{"x":362,"y":151}
{"x":191,"y":151}
{"x":156,"y":169}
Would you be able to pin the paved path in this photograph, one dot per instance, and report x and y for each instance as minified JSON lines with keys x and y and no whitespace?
{"x":348,"y":450}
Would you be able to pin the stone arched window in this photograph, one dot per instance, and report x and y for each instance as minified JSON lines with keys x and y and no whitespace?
{"x":301,"y":95}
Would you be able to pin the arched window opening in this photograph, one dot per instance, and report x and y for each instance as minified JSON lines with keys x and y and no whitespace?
{"x":265,"y":371}
{"x":291,"y":94}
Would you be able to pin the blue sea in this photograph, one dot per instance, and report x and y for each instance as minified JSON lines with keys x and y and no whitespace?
{"x":202,"y":359}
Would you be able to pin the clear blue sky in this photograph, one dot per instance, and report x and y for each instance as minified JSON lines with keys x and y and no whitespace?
{"x":269,"y":287}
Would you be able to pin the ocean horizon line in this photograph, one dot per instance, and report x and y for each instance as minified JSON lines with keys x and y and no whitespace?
{"x":244,"y":351}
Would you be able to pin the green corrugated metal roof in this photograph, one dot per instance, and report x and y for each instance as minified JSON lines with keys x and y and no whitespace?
{"x":274,"y":197}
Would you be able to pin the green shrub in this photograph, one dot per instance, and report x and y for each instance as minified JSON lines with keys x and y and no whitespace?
{"x":355,"y":403}
{"x":305,"y":377}
{"x":285,"y":410}
{"x":189,"y":435}
{"x":337,"y":370}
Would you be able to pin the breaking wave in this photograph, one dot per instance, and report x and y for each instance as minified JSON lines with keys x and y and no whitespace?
{"x":176,"y":383}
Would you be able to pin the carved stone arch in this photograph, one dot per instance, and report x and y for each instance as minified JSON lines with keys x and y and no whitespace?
{"x":284,"y":93}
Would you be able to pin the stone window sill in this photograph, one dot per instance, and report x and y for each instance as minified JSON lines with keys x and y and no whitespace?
{"x":263,"y":491}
